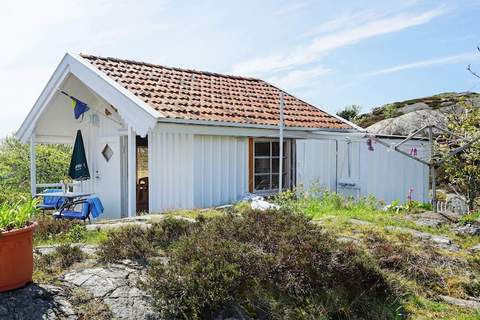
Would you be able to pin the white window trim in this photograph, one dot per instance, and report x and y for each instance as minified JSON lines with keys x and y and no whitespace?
{"x":287,"y":160}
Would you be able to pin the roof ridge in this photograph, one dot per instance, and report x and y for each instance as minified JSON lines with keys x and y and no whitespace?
{"x":209,"y":73}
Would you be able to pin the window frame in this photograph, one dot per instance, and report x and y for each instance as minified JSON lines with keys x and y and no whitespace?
{"x":287,"y":163}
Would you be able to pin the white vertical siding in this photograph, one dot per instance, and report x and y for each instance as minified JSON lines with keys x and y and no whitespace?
{"x":220,"y":169}
{"x":390,"y":175}
{"x":385,"y":174}
{"x":171,"y":170}
{"x":316,"y":163}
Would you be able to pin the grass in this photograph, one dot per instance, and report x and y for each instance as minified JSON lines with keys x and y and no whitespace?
{"x":195,"y":214}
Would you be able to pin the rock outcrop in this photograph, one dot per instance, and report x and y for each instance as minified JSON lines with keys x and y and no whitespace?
{"x":402,"y":118}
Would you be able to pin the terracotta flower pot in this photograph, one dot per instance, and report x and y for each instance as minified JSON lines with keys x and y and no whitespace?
{"x":16,"y":258}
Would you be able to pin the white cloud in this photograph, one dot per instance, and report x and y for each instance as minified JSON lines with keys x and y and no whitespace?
{"x":300,"y":78}
{"x":424,"y":64}
{"x":292,"y":7}
{"x":322,"y":45}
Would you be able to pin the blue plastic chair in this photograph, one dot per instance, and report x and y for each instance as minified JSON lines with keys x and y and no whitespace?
{"x":72,"y":214}
{"x":51,"y":202}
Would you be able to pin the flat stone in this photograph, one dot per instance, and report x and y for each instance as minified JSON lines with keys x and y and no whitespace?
{"x":472,"y":304}
{"x":438,"y":241}
{"x":36,"y":302}
{"x":428,"y":218}
{"x":116,"y":225}
{"x":475,"y":248}
{"x":87,"y":249}
{"x":117,"y":286}
{"x":472,"y":230}
{"x":360,"y":222}
{"x":348,"y":240}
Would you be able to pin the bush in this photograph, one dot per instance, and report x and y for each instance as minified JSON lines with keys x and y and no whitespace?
{"x":141,"y":243}
{"x":66,"y":255}
{"x":77,"y":233}
{"x":422,"y":266}
{"x":49,"y":265}
{"x":49,"y":228}
{"x":273,"y":265}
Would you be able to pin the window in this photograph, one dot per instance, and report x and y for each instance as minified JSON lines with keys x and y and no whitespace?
{"x":266,"y":157}
{"x":107,"y":153}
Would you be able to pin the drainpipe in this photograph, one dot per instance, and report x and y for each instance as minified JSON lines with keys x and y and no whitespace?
{"x":280,"y":169}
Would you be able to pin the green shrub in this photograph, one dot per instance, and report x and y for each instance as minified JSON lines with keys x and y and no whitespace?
{"x":66,"y":255}
{"x":272,"y":264}
{"x":49,"y":228}
{"x":47,"y":266}
{"x":470,"y":218}
{"x":11,"y":195}
{"x":77,"y":233}
{"x":140,"y":243}
{"x":18,"y":215}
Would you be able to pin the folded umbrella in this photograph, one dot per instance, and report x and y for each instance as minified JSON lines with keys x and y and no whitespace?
{"x":78,"y":164}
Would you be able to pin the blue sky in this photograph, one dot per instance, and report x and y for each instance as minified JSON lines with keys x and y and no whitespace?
{"x":328,"y":53}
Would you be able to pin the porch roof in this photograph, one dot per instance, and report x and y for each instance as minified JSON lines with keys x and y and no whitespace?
{"x":204,"y":96}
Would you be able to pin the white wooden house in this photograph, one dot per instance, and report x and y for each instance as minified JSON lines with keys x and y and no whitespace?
{"x":160,"y":138}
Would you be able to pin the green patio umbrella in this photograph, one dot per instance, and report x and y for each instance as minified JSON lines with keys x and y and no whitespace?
{"x":78,"y":164}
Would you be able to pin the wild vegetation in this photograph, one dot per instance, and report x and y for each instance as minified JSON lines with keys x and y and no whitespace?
{"x":462,"y":172}
{"x":52,"y":166}
{"x":273,"y":265}
{"x":322,"y":256}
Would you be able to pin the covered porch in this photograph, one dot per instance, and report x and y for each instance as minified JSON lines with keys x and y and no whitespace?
{"x":117,"y":155}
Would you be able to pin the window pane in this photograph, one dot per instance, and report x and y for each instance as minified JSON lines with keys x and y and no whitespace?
{"x":262,"y":149}
{"x":262,"y":182}
{"x":274,"y":181}
{"x":276,"y":148}
{"x":275,"y":165}
{"x":262,"y":165}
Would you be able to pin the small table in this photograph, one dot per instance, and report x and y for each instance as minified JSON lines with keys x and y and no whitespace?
{"x":69,"y":197}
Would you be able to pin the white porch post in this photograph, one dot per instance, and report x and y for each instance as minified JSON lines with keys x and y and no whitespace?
{"x":132,"y":173}
{"x":33,"y":166}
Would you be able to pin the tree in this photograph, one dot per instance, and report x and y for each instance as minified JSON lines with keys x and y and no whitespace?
{"x":462,"y":171}
{"x":350,"y":112}
{"x":52,"y":164}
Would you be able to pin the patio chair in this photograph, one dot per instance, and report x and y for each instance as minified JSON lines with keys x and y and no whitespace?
{"x":71,"y":214}
{"x":51,"y":202}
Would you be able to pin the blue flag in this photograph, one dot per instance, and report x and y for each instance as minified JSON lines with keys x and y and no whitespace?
{"x":79,"y":107}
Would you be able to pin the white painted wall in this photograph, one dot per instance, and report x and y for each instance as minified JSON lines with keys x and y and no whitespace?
{"x":220,"y":170}
{"x":387,"y":175}
{"x":316,"y":163}
{"x":195,"y":171}
{"x":170,"y":170}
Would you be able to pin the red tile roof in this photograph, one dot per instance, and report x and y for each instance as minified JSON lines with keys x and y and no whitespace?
{"x":196,"y":95}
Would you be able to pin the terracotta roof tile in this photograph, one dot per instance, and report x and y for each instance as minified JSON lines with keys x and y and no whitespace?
{"x":196,"y":95}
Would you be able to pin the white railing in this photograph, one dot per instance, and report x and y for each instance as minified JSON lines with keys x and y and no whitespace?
{"x":441,"y":206}
{"x":41,"y":186}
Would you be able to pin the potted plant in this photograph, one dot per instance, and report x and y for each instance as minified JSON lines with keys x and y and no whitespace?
{"x":16,"y":244}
